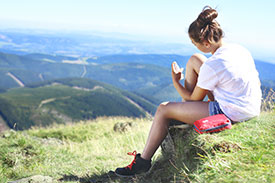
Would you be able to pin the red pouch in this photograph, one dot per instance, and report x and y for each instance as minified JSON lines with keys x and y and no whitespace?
{"x":214,"y":123}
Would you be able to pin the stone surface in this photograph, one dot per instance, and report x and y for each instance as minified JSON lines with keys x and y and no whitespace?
{"x":176,"y":128}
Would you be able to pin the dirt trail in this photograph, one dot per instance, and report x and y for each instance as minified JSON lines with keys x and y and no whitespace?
{"x":88,"y":89}
{"x":84,"y":71}
{"x":52,"y":100}
{"x":41,"y":77}
{"x":138,"y":106}
{"x":46,"y":101}
{"x":17,"y":80}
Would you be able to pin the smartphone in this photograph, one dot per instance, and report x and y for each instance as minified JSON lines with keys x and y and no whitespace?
{"x":177,"y":69}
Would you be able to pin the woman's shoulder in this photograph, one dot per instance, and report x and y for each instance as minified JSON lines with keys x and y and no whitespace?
{"x":230,"y":52}
{"x":232,"y":47}
{"x":233,"y":56}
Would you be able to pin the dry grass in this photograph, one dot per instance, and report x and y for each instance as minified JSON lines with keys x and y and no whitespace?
{"x":268,"y":101}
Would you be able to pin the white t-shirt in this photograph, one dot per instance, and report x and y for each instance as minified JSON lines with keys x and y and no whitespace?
{"x":231,"y":75}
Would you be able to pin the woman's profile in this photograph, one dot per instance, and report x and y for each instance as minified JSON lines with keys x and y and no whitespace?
{"x":229,"y":79}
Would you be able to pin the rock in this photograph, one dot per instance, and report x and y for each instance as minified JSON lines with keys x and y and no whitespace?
{"x":123,"y":127}
{"x":35,"y":179}
{"x":8,"y":133}
{"x":168,"y":146}
{"x":176,"y":128}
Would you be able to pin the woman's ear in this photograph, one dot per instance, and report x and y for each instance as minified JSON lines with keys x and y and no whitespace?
{"x":206,"y":44}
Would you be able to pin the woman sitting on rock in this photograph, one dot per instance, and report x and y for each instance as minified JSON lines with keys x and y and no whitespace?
{"x":229,"y":74}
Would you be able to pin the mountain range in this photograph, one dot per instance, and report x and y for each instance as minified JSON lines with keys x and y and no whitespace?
{"x":84,"y":44}
{"x":130,"y":72}
{"x":50,"y":78}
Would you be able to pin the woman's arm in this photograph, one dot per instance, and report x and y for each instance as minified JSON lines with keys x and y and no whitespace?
{"x":197,"y":94}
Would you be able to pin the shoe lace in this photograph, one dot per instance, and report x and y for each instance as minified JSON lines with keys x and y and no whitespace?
{"x":134,"y":153}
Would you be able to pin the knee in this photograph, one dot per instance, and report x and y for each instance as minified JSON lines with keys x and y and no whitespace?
{"x":195,"y":61}
{"x":197,"y":57}
{"x":162,"y":109}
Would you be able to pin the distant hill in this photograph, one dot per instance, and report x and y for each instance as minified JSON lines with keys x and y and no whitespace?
{"x":149,"y":75}
{"x":266,"y":70}
{"x":49,"y":58}
{"x":68,"y":100}
{"x":164,"y":60}
{"x":29,"y":70}
{"x":134,"y":77}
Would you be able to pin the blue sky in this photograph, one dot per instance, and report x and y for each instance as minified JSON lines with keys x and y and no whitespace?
{"x":248,"y":22}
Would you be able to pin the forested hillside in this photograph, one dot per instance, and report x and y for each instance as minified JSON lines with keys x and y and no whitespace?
{"x":135,"y":77}
{"x":69,"y":100}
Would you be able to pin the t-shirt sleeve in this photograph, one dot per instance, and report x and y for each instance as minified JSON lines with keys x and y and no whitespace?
{"x":207,"y":78}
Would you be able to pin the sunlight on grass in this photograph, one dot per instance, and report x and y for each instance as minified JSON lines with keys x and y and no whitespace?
{"x":92,"y":148}
{"x":86,"y":148}
{"x":243,"y":154}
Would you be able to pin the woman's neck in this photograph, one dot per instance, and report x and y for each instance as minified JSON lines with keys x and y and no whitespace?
{"x":216,"y":46}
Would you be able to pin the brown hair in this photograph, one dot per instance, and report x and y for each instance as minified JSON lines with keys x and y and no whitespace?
{"x":205,"y":28}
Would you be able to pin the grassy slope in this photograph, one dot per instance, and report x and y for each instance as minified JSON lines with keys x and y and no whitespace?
{"x":86,"y":151}
{"x":243,"y":154}
{"x":89,"y":148}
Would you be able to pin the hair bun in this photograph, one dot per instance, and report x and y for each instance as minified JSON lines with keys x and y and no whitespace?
{"x":205,"y":28}
{"x":207,"y":16}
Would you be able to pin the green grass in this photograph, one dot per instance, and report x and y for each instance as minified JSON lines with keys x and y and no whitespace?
{"x":86,"y":148}
{"x":243,"y":154}
{"x":248,"y":157}
{"x":87,"y":151}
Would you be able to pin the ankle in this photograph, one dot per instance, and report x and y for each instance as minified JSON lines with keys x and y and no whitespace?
{"x":145,"y":157}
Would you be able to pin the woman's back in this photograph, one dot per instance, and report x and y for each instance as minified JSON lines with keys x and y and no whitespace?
{"x":232,"y":76}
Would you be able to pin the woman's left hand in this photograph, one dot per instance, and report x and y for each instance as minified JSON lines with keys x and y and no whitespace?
{"x":176,"y":72}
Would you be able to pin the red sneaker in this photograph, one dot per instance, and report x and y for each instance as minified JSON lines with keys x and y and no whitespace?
{"x":138,"y":166}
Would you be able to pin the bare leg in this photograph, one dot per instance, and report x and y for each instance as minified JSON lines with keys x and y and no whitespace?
{"x":188,"y":112}
{"x":192,"y":70}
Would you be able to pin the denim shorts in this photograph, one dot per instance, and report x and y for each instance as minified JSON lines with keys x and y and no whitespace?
{"x":214,"y":108}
